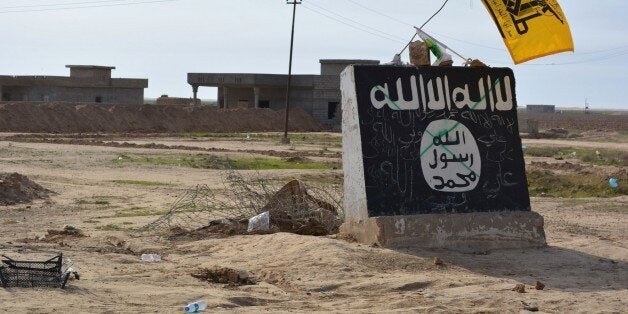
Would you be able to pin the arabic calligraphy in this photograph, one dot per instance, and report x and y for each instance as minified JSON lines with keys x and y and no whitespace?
{"x":434,"y":140}
{"x":467,"y":179}
{"x":521,"y":11}
{"x":445,"y":161}
{"x":451,"y":162}
{"x":438,"y":94}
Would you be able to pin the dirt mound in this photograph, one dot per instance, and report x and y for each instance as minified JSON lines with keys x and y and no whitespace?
{"x":557,"y":133}
{"x":166,"y":100}
{"x":67,"y":230}
{"x":67,"y":236}
{"x":565,"y":166}
{"x":71,"y":117}
{"x":224,"y":275}
{"x":16,"y":189}
{"x":576,"y":121}
{"x":215,"y":162}
{"x":220,"y":228}
{"x":582,"y":169}
{"x":293,"y":210}
{"x":298,"y":159}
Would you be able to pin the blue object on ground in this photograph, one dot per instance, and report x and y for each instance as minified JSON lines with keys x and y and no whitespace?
{"x":613,"y":182}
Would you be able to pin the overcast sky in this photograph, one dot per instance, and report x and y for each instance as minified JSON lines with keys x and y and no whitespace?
{"x":164,"y":40}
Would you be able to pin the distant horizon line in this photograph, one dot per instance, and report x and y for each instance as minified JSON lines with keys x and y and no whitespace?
{"x":521,"y":106}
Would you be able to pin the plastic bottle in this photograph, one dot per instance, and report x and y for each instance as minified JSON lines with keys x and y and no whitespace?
{"x":196,"y":307}
{"x":613,"y":183}
{"x":151,"y":257}
{"x":259,"y":223}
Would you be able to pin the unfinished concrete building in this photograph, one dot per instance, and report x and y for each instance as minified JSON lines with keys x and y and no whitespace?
{"x":318,"y":95}
{"x":541,"y":108}
{"x":86,"y":83}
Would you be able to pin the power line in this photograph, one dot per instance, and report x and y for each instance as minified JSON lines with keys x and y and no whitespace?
{"x":394,"y":38}
{"x":380,"y":13}
{"x":428,"y":20}
{"x":435,"y":14}
{"x":392,"y":18}
{"x":602,"y":50}
{"x":385,"y":35}
{"x":584,"y":61}
{"x":375,"y":32}
{"x":356,"y":22}
{"x":59,"y":4}
{"x":350,"y":25}
{"x":619,"y":54}
{"x":469,"y":42}
{"x":408,"y":24}
{"x":87,"y":6}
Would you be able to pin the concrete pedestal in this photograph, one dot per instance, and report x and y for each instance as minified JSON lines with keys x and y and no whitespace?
{"x":472,"y":232}
{"x":395,"y":160}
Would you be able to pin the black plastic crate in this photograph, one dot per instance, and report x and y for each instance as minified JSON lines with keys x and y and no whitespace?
{"x":27,"y":274}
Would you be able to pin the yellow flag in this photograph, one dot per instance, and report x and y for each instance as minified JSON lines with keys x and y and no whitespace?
{"x":531,"y":28}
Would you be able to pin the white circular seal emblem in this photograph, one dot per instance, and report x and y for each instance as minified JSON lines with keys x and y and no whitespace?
{"x":450,"y":157}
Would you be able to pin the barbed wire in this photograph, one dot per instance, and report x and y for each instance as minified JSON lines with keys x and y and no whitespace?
{"x":295,"y":207}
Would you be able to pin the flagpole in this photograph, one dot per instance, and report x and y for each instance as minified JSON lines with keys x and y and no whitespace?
{"x":440,"y":43}
{"x":285,"y":139}
{"x":428,"y":20}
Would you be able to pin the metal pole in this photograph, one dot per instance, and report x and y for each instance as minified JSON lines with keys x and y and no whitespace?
{"x":285,"y":139}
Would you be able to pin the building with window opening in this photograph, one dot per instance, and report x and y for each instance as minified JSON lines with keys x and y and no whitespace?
{"x":317,"y":94}
{"x":86,"y":84}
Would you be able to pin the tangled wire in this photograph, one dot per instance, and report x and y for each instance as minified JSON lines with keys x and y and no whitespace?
{"x":296,"y":207}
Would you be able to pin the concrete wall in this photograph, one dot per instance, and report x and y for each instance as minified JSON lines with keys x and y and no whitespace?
{"x":355,"y":206}
{"x":314,"y":99}
{"x":100,"y":74}
{"x":327,"y":90}
{"x":165,"y":100}
{"x":63,"y":81}
{"x":248,"y":79}
{"x":299,"y":97}
{"x":74,"y":94}
{"x":336,"y":66}
{"x":333,"y":68}
{"x":466,"y":232}
{"x":232,"y":95}
{"x":87,"y":84}
{"x":312,"y":93}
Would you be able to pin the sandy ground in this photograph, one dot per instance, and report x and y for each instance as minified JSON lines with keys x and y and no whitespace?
{"x":584,"y":268}
{"x":576,"y":143}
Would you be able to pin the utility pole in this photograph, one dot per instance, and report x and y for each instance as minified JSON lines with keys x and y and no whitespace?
{"x":285,"y":139}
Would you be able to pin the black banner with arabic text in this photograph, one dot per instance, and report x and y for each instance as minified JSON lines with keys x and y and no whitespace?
{"x":440,"y":140}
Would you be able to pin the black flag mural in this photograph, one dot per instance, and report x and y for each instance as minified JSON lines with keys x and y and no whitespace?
{"x":439,"y":140}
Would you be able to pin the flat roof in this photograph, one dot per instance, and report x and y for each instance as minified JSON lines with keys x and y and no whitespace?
{"x":351,"y":61}
{"x":249,"y":79}
{"x":90,"y":67}
{"x":68,"y":81}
